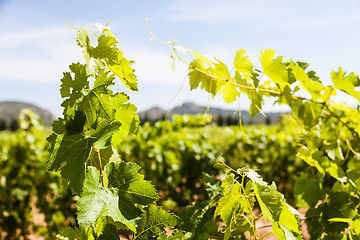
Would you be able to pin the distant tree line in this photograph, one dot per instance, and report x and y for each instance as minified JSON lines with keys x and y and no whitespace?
{"x":220,"y":120}
{"x":11,"y":125}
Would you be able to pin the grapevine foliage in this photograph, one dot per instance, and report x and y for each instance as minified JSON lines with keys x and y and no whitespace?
{"x":112,"y":194}
{"x":330,"y":187}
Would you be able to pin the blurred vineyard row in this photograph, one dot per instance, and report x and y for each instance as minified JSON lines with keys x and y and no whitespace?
{"x":173,"y":154}
{"x":32,"y":200}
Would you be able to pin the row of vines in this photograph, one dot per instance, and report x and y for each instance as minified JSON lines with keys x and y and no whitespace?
{"x":172,"y":154}
{"x":26,"y":185}
{"x":204,"y":184}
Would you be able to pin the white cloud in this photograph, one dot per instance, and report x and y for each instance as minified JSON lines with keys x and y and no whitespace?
{"x":41,"y":55}
{"x":216,"y":11}
{"x":37,"y":54}
{"x":264,"y":14}
{"x":155,"y":65}
{"x":18,"y":38}
{"x":318,"y":21}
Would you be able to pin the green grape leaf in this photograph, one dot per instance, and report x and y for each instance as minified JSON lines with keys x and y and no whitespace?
{"x":97,"y":102}
{"x":92,"y":64}
{"x":239,"y":228}
{"x":313,"y":87}
{"x":352,"y":114}
{"x":356,"y":226}
{"x":212,"y":186}
{"x":72,"y":87}
{"x":83,"y":39}
{"x":312,"y":76}
{"x":306,"y":155}
{"x":111,"y":54}
{"x":103,"y":81}
{"x":104,"y":132}
{"x":242,"y":64}
{"x":109,"y":233}
{"x":274,"y":68}
{"x":202,"y":58}
{"x":308,"y":189}
{"x":274,"y":207}
{"x":229,"y":92}
{"x":270,"y":201}
{"x":283,"y":233}
{"x":131,"y":187}
{"x":66,"y":85}
{"x":345,"y":83}
{"x":70,"y":234}
{"x":197,"y":74}
{"x":256,"y":102}
{"x":329,"y":166}
{"x":97,"y":201}
{"x":106,"y":49}
{"x":255,"y":177}
{"x":210,"y":85}
{"x":175,"y":235}
{"x":289,"y":220}
{"x":220,"y":71}
{"x":122,"y":69}
{"x":74,"y":150}
{"x":152,"y":222}
{"x":341,"y":205}
{"x":197,"y":220}
{"x":230,"y":203}
{"x":81,"y":78}
{"x":125,"y":113}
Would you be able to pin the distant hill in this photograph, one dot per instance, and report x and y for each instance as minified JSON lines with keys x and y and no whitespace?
{"x":9,"y":113}
{"x":222,"y":116}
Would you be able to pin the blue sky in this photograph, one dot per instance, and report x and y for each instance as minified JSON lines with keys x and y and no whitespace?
{"x":36,"y":46}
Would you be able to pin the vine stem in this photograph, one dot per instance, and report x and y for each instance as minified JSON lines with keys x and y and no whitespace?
{"x":253,"y":217}
{"x":79,"y":29}
{"x":100,"y":166}
{"x":262,"y":237}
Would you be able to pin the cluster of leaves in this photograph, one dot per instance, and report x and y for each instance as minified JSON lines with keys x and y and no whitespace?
{"x":26,"y":184}
{"x":173,"y":158}
{"x":332,"y":129}
{"x":272,"y":150}
{"x":112,"y":195}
